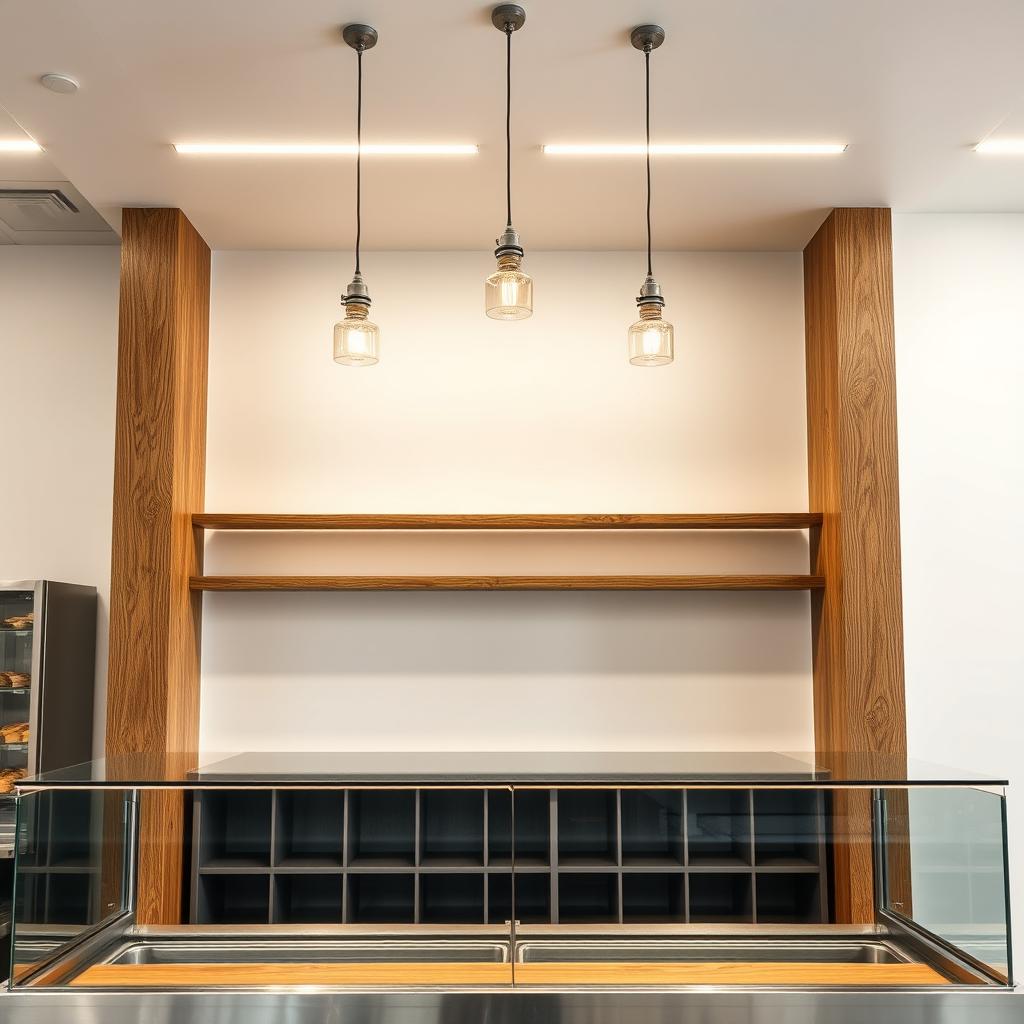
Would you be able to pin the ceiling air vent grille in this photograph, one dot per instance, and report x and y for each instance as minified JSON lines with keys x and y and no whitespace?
{"x":28,"y":209}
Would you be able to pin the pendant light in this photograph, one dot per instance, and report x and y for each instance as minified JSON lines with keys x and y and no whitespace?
{"x":651,"y":341}
{"x":356,"y":338}
{"x":508,"y":292}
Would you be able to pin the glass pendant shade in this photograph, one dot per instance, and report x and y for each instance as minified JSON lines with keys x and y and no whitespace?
{"x":508,"y":294}
{"x":356,"y":339}
{"x":651,"y":341}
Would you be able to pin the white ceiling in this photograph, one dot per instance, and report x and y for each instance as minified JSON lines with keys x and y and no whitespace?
{"x":909,"y":84}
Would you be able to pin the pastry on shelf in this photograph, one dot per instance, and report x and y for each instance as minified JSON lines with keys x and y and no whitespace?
{"x":20,"y":680}
{"x":16,"y":732}
{"x":10,"y":777}
{"x":19,"y":621}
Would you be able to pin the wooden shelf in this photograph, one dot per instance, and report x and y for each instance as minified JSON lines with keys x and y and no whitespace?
{"x":700,"y":521}
{"x":244,"y":583}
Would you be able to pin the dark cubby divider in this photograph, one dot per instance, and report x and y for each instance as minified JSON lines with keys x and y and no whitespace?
{"x":236,"y":828}
{"x":238,"y":899}
{"x":788,"y":830}
{"x":588,"y":897}
{"x":382,"y":827}
{"x":658,"y":897}
{"x":308,"y":898}
{"x":452,"y":898}
{"x":718,"y":827}
{"x":788,"y":898}
{"x":588,"y":830}
{"x":653,"y":827}
{"x":444,"y":856}
{"x":309,"y":829}
{"x":532,"y":896}
{"x":382,"y":899}
{"x":721,"y":897}
{"x":452,"y":827}
{"x":532,"y":827}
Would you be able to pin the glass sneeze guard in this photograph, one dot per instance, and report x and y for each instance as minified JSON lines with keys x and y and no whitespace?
{"x":528,"y":868}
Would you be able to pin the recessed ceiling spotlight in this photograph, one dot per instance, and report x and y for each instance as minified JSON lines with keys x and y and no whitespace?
{"x":322,"y":149}
{"x":19,"y":146}
{"x":1001,"y":147}
{"x":59,"y":83}
{"x":700,"y":149}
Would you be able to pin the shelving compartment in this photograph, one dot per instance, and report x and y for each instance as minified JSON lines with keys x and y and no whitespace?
{"x":587,"y":827}
{"x":718,"y":828}
{"x":532,"y":898}
{"x":381,"y":899}
{"x":382,"y":828}
{"x":588,"y":898}
{"x":721,"y":898}
{"x":69,"y":899}
{"x":653,"y":897}
{"x":652,"y":827}
{"x":452,"y":898}
{"x":309,"y":829}
{"x":75,"y":817}
{"x":233,"y":899}
{"x":308,"y":898}
{"x":444,"y":856}
{"x":788,"y":833}
{"x":788,"y":898}
{"x":532,"y":828}
{"x":452,"y":827}
{"x":235,"y":830}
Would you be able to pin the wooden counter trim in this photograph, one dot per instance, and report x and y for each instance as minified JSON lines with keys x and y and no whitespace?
{"x":637,"y":521}
{"x":259,"y":974}
{"x":456,"y":974}
{"x":762,"y":582}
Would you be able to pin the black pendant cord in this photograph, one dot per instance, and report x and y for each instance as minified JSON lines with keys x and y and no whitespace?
{"x":359,"y":152}
{"x":647,"y":99}
{"x":508,"y":123}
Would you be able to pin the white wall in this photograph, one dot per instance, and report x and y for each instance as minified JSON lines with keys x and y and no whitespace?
{"x":960,"y":378}
{"x":464,"y":414}
{"x":58,"y":365}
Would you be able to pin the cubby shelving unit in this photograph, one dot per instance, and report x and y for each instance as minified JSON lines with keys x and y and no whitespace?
{"x":445,"y":856}
{"x":58,"y":873}
{"x":720,"y":521}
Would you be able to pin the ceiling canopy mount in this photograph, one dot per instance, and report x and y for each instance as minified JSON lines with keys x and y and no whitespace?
{"x":360,"y":37}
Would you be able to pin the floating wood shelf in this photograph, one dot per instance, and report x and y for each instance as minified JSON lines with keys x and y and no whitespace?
{"x":700,"y":521}
{"x":763,"y":582}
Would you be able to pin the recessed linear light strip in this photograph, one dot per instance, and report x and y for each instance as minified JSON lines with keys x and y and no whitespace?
{"x":320,"y":149}
{"x":1001,"y":147}
{"x":700,"y":149}
{"x":19,"y":146}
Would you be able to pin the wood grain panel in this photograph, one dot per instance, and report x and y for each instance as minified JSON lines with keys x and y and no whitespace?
{"x":242,"y":583}
{"x":159,"y":476}
{"x":557,"y":974}
{"x":853,"y":483}
{"x":717,"y":521}
{"x":206,"y":974}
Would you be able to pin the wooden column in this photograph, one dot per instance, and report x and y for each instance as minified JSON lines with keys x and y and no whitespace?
{"x":159,"y":475}
{"x":852,"y":478}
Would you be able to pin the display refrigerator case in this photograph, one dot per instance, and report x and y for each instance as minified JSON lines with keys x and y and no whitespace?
{"x":47,"y":659}
{"x":519,"y":886}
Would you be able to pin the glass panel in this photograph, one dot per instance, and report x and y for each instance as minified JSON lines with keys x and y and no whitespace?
{"x":330,"y":769}
{"x":946,"y":868}
{"x":70,"y":866}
